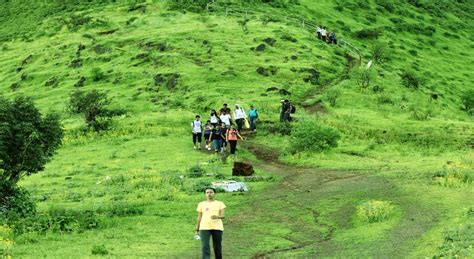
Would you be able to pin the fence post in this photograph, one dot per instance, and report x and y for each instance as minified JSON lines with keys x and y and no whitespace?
{"x":303,"y":23}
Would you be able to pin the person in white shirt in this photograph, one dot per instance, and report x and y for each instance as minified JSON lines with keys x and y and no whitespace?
{"x":225,"y":118}
{"x":323,"y":34}
{"x":239,"y":116}
{"x":318,"y":31}
{"x":196,"y":127}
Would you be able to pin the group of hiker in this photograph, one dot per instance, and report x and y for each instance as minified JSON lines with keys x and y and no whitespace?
{"x":222,"y":129}
{"x":324,"y":35}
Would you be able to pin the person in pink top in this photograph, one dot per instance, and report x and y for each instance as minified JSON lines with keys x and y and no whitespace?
{"x":231,"y":138}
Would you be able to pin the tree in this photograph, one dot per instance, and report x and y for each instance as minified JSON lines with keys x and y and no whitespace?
{"x":27,"y":140}
{"x":93,"y":105}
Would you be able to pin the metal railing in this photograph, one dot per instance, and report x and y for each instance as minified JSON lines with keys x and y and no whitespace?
{"x":309,"y":25}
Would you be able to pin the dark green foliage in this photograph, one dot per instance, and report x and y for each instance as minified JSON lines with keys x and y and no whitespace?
{"x":281,"y":128}
{"x":97,"y":74}
{"x":467,"y":99}
{"x":189,"y":5}
{"x":457,"y":242}
{"x":99,"y":250}
{"x":75,"y":21}
{"x":380,"y":52}
{"x":196,"y":171}
{"x":121,"y":209}
{"x":386,"y":5}
{"x":93,"y":105}
{"x":313,"y":136}
{"x":27,"y":140}
{"x":410,"y":79}
{"x":331,"y":96}
{"x":15,"y":202}
{"x":370,"y":34}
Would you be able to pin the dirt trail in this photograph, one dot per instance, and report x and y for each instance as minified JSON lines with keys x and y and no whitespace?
{"x":295,"y":193}
{"x":295,"y":202}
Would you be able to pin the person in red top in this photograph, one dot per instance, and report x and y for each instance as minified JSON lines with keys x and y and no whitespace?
{"x":231,"y":138}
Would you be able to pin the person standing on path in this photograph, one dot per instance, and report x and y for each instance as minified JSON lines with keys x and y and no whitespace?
{"x":197,"y":132}
{"x":239,"y":116}
{"x":207,"y":134}
{"x":217,"y":138}
{"x":253,"y":116}
{"x":209,"y":223}
{"x":231,"y":138}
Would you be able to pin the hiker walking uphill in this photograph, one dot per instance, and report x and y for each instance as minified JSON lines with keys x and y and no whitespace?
{"x":209,"y":224}
{"x":253,"y":116}
{"x":231,"y":138}
{"x":197,"y":132}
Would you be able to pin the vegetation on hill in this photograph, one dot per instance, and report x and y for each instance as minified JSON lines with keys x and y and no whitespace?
{"x":379,"y":162}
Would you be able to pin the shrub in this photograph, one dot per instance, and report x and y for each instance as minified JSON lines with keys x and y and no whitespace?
{"x":386,"y":4}
{"x":15,"y":202}
{"x":196,"y":171}
{"x":380,"y":52}
{"x":99,"y":250}
{"x":363,"y":77}
{"x":189,"y":5}
{"x":368,"y":33}
{"x":374,"y":211}
{"x":467,"y":99}
{"x":97,"y":74}
{"x":281,"y":128}
{"x":457,"y":242}
{"x":313,"y":136}
{"x":410,"y":79}
{"x":454,"y":176}
{"x":331,"y":96}
{"x":93,"y":105}
{"x":121,"y":209}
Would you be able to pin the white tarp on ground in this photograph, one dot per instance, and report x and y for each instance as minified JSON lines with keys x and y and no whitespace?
{"x":231,"y":186}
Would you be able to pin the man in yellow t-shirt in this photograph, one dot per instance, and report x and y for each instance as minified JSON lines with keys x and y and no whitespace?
{"x":209,"y":223}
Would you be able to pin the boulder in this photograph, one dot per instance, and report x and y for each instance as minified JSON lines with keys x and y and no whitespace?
{"x":173,"y":81}
{"x":81,"y":81}
{"x":262,"y":71}
{"x":273,"y":88}
{"x":260,"y":47}
{"x":284,"y":92}
{"x":76,"y":63}
{"x":270,"y":41}
{"x":242,"y":169}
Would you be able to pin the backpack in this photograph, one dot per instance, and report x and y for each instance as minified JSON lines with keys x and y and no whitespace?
{"x":293,"y":108}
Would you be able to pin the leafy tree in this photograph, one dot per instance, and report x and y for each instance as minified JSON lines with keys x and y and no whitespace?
{"x":27,"y":140}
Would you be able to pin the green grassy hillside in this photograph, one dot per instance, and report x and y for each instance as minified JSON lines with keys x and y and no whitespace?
{"x":131,"y":191}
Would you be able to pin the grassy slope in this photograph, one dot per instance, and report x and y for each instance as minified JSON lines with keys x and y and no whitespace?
{"x":138,"y":148}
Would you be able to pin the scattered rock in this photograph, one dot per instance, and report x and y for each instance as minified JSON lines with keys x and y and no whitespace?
{"x":205,"y":42}
{"x":27,"y":60}
{"x":68,"y":178}
{"x":53,"y":81}
{"x":162,"y":47}
{"x":141,"y":56}
{"x":100,"y":49}
{"x":273,"y":88}
{"x":23,"y":77}
{"x":230,"y":186}
{"x":242,"y":169}
{"x":18,"y":69}
{"x":81,"y":81}
{"x":107,"y":32}
{"x":263,"y":94}
{"x":173,"y":81}
{"x":293,"y":69}
{"x":76,"y":63}
{"x":14,"y":86}
{"x":260,"y":47}
{"x":284,"y":92}
{"x":262,"y":71}
{"x":270,"y":41}
{"x":273,"y":70}
{"x":159,"y":79}
{"x":434,"y":96}
{"x":294,"y":57}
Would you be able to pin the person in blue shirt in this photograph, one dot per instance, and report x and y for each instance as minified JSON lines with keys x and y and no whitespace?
{"x":253,"y":116}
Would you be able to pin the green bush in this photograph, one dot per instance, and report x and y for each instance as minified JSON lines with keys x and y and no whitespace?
{"x":15,"y":202}
{"x":368,"y":33}
{"x":189,"y":5}
{"x":99,"y":250}
{"x":410,"y":79}
{"x":467,"y":99}
{"x":97,"y":74}
{"x":458,"y":242}
{"x":374,"y":211}
{"x":281,"y":128}
{"x":313,"y":136}
{"x":196,"y":171}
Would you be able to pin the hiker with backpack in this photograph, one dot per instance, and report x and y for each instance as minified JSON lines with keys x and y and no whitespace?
{"x":231,"y":138}
{"x":253,"y":116}
{"x":197,"y":132}
{"x":224,"y":130}
{"x":209,"y":224}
